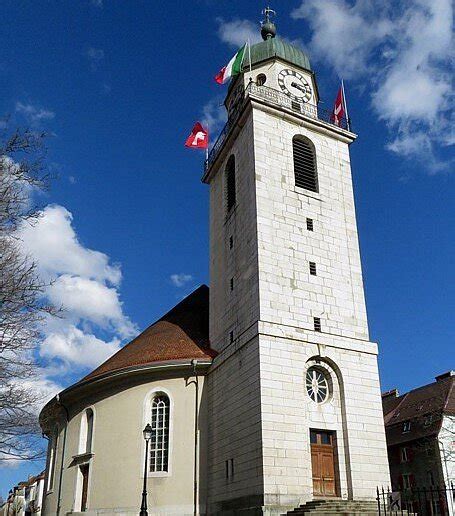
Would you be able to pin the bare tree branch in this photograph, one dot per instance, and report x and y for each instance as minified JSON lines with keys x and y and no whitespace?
{"x":22,"y":306}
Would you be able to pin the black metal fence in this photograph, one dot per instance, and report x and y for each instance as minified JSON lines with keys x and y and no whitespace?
{"x":419,"y":501}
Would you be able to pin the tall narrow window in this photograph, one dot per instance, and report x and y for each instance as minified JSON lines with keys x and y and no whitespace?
{"x":230,"y":184}
{"x":305,"y":171}
{"x":52,"y":457}
{"x":317,"y":323}
{"x":89,"y":437}
{"x":159,"y":445}
{"x":84,"y":472}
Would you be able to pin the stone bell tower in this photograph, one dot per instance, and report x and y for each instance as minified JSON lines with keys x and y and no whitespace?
{"x":294,"y":396}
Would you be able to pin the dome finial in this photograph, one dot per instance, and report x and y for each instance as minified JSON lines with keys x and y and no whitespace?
{"x":268,"y":29}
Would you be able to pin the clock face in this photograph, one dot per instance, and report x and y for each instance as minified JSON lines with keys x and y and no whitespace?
{"x":295,"y":85}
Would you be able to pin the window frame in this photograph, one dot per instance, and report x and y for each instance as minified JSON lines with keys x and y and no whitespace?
{"x":52,"y":460}
{"x":404,"y":456}
{"x":230,"y":171}
{"x":159,"y":445}
{"x":428,"y":420}
{"x":84,"y":431}
{"x":406,"y":427}
{"x":407,"y":480}
{"x":313,"y":268}
{"x":327,"y":381}
{"x":147,"y":418}
{"x":301,"y":189}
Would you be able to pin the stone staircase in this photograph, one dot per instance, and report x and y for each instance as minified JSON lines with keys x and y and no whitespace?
{"x":337,"y":506}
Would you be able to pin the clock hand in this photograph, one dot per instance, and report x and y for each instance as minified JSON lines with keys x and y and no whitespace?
{"x":298,"y":86}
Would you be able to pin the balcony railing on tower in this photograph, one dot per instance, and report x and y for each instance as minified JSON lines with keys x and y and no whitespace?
{"x":276,"y":98}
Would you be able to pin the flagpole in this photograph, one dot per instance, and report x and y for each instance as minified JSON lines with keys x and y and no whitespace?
{"x":345,"y":106}
{"x":249,"y":52}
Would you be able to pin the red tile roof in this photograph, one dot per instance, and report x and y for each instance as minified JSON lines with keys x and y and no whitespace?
{"x":180,"y":334}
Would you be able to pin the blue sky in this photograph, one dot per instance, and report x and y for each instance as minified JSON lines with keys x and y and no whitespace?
{"x":125,"y":233}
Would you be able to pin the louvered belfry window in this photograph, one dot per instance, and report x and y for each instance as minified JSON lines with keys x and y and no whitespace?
{"x":159,"y":445}
{"x":230,"y":184}
{"x":305,"y":172}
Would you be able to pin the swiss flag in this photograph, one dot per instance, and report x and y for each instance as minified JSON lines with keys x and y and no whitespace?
{"x":338,"y":109}
{"x":199,"y":137}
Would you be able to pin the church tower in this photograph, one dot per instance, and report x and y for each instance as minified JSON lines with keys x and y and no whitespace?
{"x":294,"y":397}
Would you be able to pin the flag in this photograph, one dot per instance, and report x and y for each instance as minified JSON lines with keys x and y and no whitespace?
{"x":339,"y":109}
{"x":199,"y":137}
{"x":233,"y":68}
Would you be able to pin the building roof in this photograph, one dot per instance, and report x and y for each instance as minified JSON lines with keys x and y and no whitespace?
{"x":435,"y":399}
{"x":276,"y":47}
{"x":183,"y":333}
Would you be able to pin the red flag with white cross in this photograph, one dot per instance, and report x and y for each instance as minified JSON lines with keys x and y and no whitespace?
{"x":199,"y":137}
{"x":339,"y":107}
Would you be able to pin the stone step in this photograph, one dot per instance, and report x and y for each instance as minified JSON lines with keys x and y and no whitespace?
{"x":340,"y":504}
{"x":337,"y":506}
{"x":340,"y":512}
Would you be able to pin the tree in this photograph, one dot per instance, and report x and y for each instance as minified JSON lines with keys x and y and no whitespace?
{"x":22,"y":308}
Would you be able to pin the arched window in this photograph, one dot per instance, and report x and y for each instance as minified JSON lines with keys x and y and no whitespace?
{"x":230,"y":184}
{"x":89,"y":436}
{"x":86,"y":432}
{"x":159,"y":444}
{"x":52,"y":456}
{"x":305,"y":171}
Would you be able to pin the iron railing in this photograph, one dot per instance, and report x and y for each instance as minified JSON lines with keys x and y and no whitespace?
{"x":421,"y":501}
{"x":275,"y":98}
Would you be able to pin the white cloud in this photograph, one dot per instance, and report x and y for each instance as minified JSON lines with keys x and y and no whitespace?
{"x":401,"y":52}
{"x":44,"y":387}
{"x":214,"y":117}
{"x":341,"y":34}
{"x":237,"y":32}
{"x":91,"y":300}
{"x":180,"y":280}
{"x":74,"y":347}
{"x":53,"y":243}
{"x":85,"y":283}
{"x":34,"y":114}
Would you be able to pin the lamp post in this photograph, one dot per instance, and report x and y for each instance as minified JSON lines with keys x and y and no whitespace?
{"x":147,"y":433}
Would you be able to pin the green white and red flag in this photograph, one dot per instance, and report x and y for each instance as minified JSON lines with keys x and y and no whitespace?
{"x":233,"y":68}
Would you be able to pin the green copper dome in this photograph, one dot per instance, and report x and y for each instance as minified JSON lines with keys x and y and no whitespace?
{"x":276,"y":47}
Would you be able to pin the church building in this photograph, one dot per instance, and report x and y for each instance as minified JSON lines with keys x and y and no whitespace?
{"x":262,"y":394}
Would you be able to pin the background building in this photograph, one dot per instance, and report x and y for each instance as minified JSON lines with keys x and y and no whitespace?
{"x":420,"y":430}
{"x":26,"y":498}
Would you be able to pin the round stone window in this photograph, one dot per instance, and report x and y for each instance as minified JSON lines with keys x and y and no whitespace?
{"x":317,"y":385}
{"x":260,"y":79}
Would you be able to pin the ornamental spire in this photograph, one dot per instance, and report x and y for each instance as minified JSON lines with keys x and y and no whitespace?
{"x":268,"y":28}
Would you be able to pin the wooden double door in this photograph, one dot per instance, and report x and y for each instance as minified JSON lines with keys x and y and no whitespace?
{"x":323,"y":463}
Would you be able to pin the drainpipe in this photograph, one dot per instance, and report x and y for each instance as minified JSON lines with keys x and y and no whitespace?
{"x":196,"y":424}
{"x":63,"y":454}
